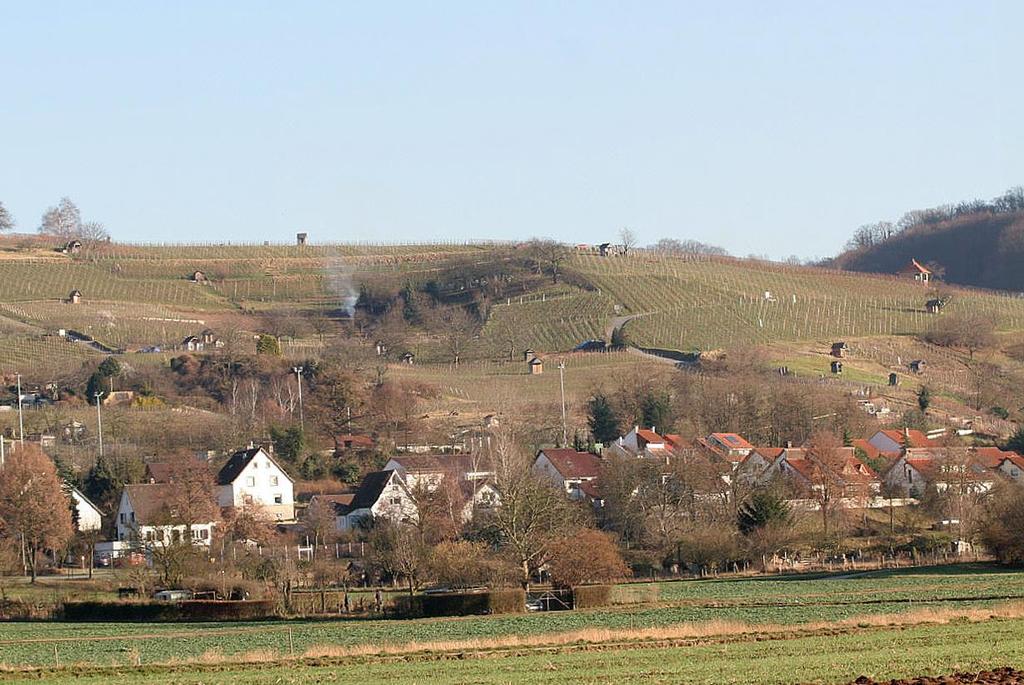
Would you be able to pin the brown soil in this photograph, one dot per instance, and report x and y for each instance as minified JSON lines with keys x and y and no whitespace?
{"x":998,"y":676}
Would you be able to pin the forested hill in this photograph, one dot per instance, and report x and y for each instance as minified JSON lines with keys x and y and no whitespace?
{"x":974,"y":243}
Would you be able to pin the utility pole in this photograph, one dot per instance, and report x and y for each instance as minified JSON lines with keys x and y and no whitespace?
{"x":99,"y":419}
{"x":298,"y":379}
{"x":561,"y":382}
{"x":21,"y":415}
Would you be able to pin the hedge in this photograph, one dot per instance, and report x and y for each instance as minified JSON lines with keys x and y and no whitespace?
{"x":506,"y":601}
{"x":586,"y":596}
{"x":190,"y":610}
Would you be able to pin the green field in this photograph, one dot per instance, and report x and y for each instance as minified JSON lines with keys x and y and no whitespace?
{"x":811,"y":602}
{"x":831,"y":658}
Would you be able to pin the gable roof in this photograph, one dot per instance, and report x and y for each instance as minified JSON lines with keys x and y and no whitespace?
{"x":354,"y":441}
{"x":148,"y":501}
{"x":649,"y":436}
{"x":371,"y":488}
{"x":239,"y":460}
{"x":733,"y":441}
{"x":572,"y":464}
{"x":342,"y":502}
{"x":914,"y":267}
{"x":908,"y":438}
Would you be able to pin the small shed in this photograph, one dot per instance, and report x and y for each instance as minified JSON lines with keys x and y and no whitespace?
{"x":917,"y":366}
{"x":917,"y":271}
{"x":894,"y":380}
{"x":75,"y":297}
{"x":198,"y":277}
{"x":300,"y":239}
{"x":837,"y":367}
{"x":934,"y":306}
{"x":408,"y":358}
{"x":840,"y":349}
{"x":73,"y":247}
{"x":528,"y":354}
{"x":382,"y":348}
{"x":536,"y":366}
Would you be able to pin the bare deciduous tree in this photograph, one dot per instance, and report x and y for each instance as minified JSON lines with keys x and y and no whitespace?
{"x":627,"y":238}
{"x":63,"y":221}
{"x":6,"y":220}
{"x":533,"y":512}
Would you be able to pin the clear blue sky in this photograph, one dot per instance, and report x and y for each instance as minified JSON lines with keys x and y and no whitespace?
{"x":766,"y":127}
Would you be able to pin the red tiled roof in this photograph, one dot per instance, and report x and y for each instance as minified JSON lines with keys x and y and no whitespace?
{"x":355,"y":441}
{"x":677,"y":442}
{"x":573,"y":464}
{"x":912,"y":438}
{"x":649,"y":435}
{"x":732,"y":441}
{"x":914,"y":268}
{"x":591,"y":488}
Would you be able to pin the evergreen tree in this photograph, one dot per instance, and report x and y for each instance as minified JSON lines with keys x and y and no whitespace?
{"x":924,"y":398}
{"x":656,"y":411}
{"x":764,"y":507}
{"x":1016,"y":441}
{"x":603,"y":422}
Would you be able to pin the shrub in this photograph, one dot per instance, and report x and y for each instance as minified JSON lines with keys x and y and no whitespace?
{"x":506,"y":601}
{"x":586,"y":596}
{"x":587,"y":557}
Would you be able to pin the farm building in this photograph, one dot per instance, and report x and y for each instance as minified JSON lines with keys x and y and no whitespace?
{"x":837,"y":367}
{"x":528,"y":354}
{"x":934,"y":306}
{"x":408,"y":358}
{"x":840,"y":349}
{"x":917,"y":366}
{"x":914,"y":270}
{"x":300,"y":239}
{"x":72,"y":247}
{"x":894,"y":380}
{"x":198,"y":277}
{"x":536,"y":366}
{"x":75,"y":297}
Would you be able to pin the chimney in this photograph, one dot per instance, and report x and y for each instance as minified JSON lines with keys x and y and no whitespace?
{"x":654,"y":429}
{"x":789,"y":444}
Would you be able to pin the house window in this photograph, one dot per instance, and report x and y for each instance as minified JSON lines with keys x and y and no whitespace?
{"x":250,"y":481}
{"x":278,"y":499}
{"x":149,"y":536}
{"x":204,"y":534}
{"x":273,"y":481}
{"x":175,"y":535}
{"x":396,"y":501}
{"x":124,"y":517}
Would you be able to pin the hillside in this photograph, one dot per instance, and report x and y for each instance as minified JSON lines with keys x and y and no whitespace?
{"x":142,"y":297}
{"x":978,"y":243}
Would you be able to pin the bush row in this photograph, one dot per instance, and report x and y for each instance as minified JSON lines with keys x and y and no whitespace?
{"x":505,"y":601}
{"x":191,"y":610}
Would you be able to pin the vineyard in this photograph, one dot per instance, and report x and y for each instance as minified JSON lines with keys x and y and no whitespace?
{"x":701,"y":304}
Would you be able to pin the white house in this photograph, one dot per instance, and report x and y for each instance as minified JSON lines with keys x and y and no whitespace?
{"x":252,"y":477}
{"x":381,"y":495}
{"x":478,"y":495}
{"x":88,"y":516}
{"x":568,"y":469}
{"x":145,"y":515}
